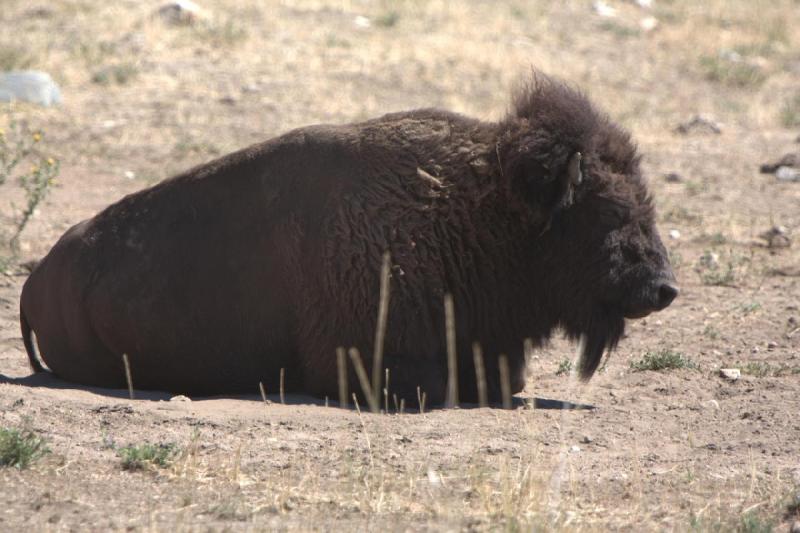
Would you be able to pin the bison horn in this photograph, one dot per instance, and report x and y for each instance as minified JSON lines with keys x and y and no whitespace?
{"x":574,"y":169}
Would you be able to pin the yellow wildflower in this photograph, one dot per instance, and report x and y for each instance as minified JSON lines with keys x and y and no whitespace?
{"x":50,"y":162}
{"x":37,"y":137}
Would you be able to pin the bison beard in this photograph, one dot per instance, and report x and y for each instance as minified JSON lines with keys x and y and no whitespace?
{"x":601,"y":334}
{"x":264,"y":262}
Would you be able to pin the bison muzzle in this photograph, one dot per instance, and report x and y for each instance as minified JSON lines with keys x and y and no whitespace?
{"x":268,"y":258}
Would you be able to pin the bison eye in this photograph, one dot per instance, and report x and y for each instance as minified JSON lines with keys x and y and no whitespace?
{"x":615,"y":216}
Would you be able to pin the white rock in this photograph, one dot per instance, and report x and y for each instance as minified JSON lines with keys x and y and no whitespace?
{"x":182,"y":12}
{"x":674,"y":234}
{"x":648,"y":23}
{"x":362,"y":21}
{"x":434,"y":478}
{"x":603,"y":9}
{"x":710,"y":260}
{"x":29,"y":86}
{"x":732,"y":374}
{"x":180,"y":398}
{"x":129,"y":174}
{"x":575,"y":449}
{"x":787,"y":174}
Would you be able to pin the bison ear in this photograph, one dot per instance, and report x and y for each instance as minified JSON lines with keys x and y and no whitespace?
{"x":549,"y":185}
{"x":572,"y":178}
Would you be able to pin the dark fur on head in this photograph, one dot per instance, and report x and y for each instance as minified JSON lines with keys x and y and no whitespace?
{"x":548,"y":123}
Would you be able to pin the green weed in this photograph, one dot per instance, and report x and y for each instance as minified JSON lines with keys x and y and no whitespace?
{"x":19,"y":448}
{"x":564,"y":367}
{"x":662,"y":360}
{"x":139,"y":457}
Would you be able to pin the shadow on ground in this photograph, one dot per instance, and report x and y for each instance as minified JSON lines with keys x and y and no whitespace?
{"x":49,"y":381}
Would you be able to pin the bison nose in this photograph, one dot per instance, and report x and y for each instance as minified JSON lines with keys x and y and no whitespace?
{"x":666,"y":293}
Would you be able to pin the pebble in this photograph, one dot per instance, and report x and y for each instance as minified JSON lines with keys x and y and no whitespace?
{"x":772,"y":345}
{"x":587,"y":439}
{"x":787,"y":174}
{"x":673,"y":177}
{"x":181,"y":12}
{"x":732,"y":374}
{"x":362,"y":21}
{"x":575,"y":449}
{"x":603,"y":9}
{"x":648,"y":23}
{"x":674,"y":234}
{"x":777,"y":237}
{"x":180,"y":398}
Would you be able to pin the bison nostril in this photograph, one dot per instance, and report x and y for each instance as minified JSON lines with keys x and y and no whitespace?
{"x":666,"y":293}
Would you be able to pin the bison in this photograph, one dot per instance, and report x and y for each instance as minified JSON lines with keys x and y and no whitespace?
{"x":268,"y":258}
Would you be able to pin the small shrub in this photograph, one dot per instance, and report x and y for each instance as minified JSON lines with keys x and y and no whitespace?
{"x":717,"y":238}
{"x":680,"y":214}
{"x":750,"y":307}
{"x":752,"y":523}
{"x":711,"y":332}
{"x":19,"y":448}
{"x":693,"y":188}
{"x":793,"y":504}
{"x":19,"y":147}
{"x":790,"y":111}
{"x":218,"y":33}
{"x":716,"y":273}
{"x":731,"y":70}
{"x":758,"y":369}
{"x":12,"y":58}
{"x":139,"y":457}
{"x":620,"y":30}
{"x":564,"y":367}
{"x":119,"y":74}
{"x":388,"y":19}
{"x":662,"y":360}
{"x":675,"y":258}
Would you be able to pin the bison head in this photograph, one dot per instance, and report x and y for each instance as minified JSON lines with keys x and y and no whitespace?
{"x":574,"y":177}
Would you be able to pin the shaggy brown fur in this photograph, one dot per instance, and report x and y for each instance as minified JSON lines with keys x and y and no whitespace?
{"x":268,"y":258}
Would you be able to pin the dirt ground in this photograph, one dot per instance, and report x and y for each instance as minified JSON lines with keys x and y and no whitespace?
{"x":672,"y":450}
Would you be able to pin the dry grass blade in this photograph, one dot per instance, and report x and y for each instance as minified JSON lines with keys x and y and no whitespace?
{"x":386,"y":393}
{"x":127,"y":364}
{"x":380,"y":330}
{"x":363,"y":428}
{"x":452,"y":365}
{"x":341,"y":366}
{"x":283,"y":377}
{"x":263,"y":392}
{"x":363,"y":379}
{"x":480,"y":375}
{"x":505,"y":381}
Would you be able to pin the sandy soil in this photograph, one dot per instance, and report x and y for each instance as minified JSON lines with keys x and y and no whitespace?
{"x":675,"y":450}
